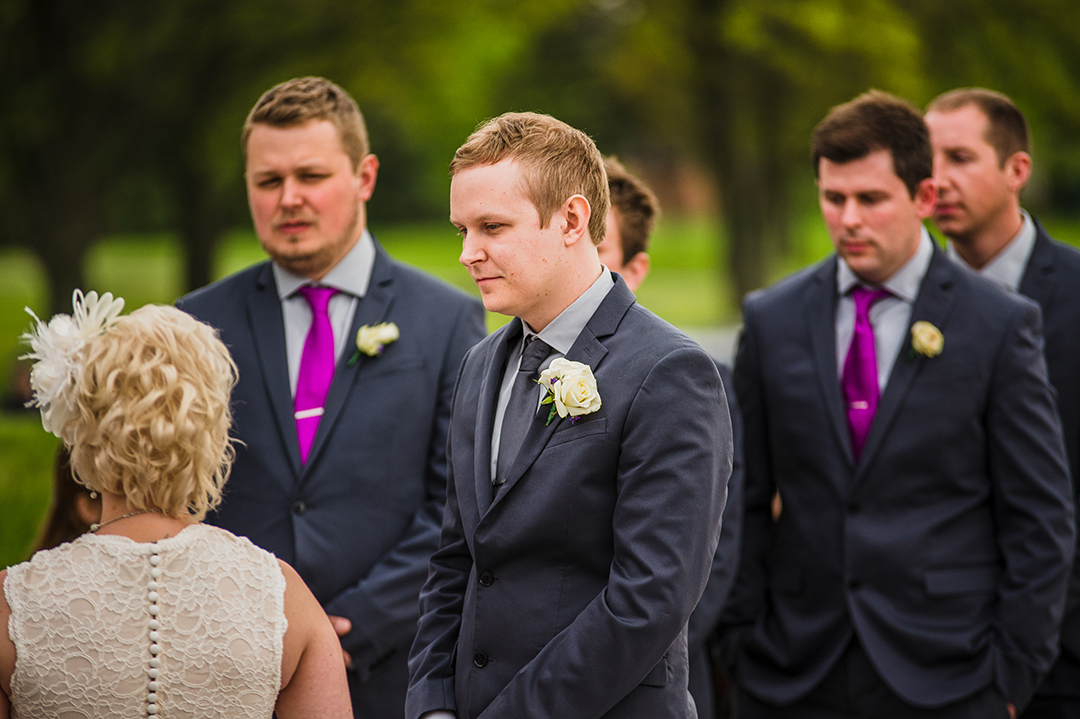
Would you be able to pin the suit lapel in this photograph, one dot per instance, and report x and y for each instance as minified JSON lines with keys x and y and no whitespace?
{"x":821,"y":317}
{"x":587,"y":349}
{"x":933,"y":304}
{"x":372,"y":309}
{"x":268,"y":330}
{"x":490,"y":383}
{"x":1038,"y":280}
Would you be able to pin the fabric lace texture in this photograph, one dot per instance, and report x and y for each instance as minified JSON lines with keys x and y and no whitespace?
{"x":97,"y":634}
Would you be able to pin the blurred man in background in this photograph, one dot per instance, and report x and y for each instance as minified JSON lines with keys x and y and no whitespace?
{"x":900,"y":406}
{"x":341,"y":465}
{"x":982,"y":162}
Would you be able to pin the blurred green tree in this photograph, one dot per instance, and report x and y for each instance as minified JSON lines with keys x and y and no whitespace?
{"x":126,"y":115}
{"x":740,"y":84}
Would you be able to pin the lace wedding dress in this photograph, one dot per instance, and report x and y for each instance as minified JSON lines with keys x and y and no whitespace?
{"x":190,"y":626}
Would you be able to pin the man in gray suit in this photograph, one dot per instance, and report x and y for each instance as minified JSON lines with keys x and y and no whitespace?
{"x":982,"y":162}
{"x":578,"y":538}
{"x":341,"y":466}
{"x":900,"y":406}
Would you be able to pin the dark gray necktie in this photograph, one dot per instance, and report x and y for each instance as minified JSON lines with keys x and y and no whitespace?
{"x":521,"y":410}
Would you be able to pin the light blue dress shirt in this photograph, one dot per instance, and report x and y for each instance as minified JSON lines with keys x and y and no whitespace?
{"x":350,"y":276}
{"x":1007,"y":267}
{"x":889,"y":316}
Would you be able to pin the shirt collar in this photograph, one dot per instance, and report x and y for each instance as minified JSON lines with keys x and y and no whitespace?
{"x":1007,"y":267}
{"x":904,"y":283}
{"x":562,"y":331}
{"x":351,"y":275}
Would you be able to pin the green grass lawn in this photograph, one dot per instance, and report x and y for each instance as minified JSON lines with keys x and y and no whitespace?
{"x":26,"y":456}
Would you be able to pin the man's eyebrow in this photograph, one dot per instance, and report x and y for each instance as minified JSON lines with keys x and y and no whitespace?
{"x":481,"y":219}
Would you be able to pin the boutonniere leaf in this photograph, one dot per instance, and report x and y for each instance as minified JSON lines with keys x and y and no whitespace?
{"x":372,"y":339}
{"x":571,"y":389}
{"x":926,"y":340}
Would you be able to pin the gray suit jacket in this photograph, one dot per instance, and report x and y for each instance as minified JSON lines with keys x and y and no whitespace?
{"x":945,"y":551}
{"x":703,"y":623}
{"x":568,"y":595}
{"x":359,"y":520}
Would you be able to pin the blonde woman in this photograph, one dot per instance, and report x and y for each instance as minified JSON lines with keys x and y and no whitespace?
{"x":152,"y":613}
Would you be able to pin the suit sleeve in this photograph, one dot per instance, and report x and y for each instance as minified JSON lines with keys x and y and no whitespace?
{"x":1033,"y":510}
{"x":706,"y":615}
{"x":747,"y":597}
{"x":675,"y":458}
{"x":383,"y":605}
{"x":431,"y":661}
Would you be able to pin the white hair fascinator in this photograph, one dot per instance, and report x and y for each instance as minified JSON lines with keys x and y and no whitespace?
{"x":59,"y":349}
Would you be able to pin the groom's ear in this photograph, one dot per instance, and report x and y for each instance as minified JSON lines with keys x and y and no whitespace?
{"x":575,"y":215}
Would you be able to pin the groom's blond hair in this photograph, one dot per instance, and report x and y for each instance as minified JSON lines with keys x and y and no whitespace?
{"x":556,"y":161}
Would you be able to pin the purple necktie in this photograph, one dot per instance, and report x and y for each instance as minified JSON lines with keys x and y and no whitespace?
{"x":860,"y":378}
{"x":316,"y":367}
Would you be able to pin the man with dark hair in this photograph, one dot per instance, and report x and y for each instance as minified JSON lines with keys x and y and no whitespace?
{"x":582,"y":513}
{"x":347,"y":362}
{"x":900,"y":407}
{"x":630,"y":222}
{"x":982,"y":162}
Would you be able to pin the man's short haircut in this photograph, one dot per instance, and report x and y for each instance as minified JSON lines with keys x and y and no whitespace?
{"x":1006,"y":129}
{"x":875,"y":121}
{"x":305,"y":99}
{"x":635,"y":208}
{"x":556,"y":161}
{"x":153,"y":413}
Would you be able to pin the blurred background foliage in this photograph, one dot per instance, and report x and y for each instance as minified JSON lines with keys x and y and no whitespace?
{"x":122,"y":117}
{"x":120,"y":165}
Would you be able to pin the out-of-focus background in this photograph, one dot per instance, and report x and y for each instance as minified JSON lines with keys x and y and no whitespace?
{"x":121,"y":171}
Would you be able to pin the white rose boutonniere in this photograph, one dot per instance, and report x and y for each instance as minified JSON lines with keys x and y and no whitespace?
{"x":571,"y":389}
{"x":926,"y":339}
{"x":371,"y":339}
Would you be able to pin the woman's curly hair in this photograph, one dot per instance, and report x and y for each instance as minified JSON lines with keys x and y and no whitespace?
{"x":153,"y":413}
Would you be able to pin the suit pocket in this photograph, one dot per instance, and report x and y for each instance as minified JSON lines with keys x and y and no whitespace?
{"x":962,"y":580}
{"x":577,"y":430}
{"x":381,"y":365}
{"x":658,"y":675}
{"x":787,"y":579}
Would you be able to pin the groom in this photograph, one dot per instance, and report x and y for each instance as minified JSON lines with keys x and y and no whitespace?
{"x":573,"y":547}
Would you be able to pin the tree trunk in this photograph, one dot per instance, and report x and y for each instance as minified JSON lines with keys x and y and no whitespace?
{"x":200,"y":228}
{"x":740,"y":103}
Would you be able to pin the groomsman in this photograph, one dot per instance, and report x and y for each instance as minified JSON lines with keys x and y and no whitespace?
{"x":900,"y":406}
{"x":578,"y":535}
{"x":625,"y":250}
{"x":341,"y":467}
{"x":981,"y":163}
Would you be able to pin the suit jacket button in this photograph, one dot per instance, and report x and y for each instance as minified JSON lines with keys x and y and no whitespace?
{"x":854,"y":585}
{"x":854,"y":508}
{"x":486,"y":578}
{"x":480,"y":660}
{"x":299,"y":507}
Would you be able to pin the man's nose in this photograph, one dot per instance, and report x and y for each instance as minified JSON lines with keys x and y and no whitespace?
{"x":291,"y":194}
{"x":941,"y":175}
{"x":471,"y":250}
{"x":851,"y":214}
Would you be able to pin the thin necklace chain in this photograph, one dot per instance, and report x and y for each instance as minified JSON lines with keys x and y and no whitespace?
{"x":96,"y":526}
